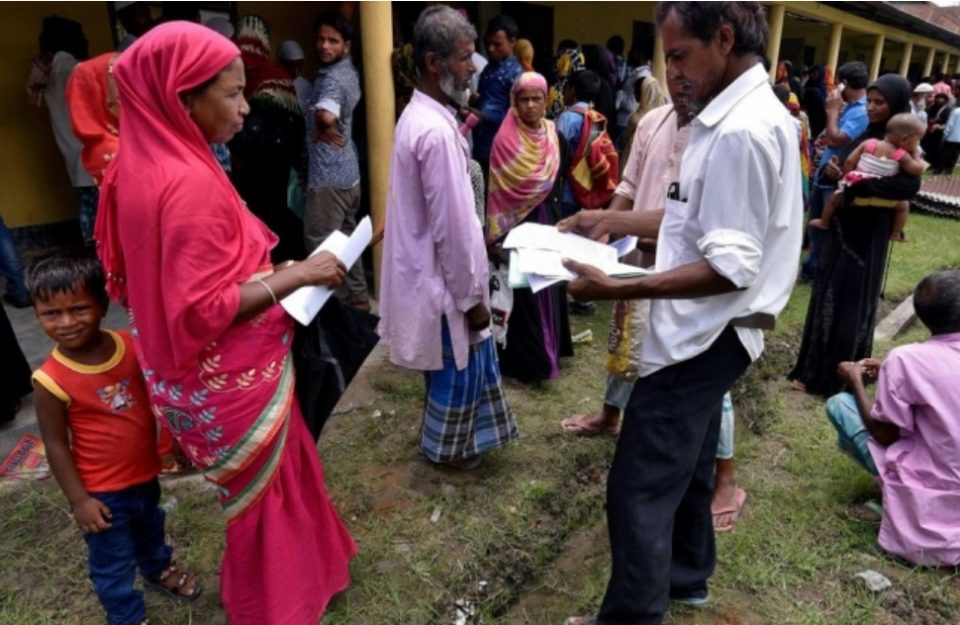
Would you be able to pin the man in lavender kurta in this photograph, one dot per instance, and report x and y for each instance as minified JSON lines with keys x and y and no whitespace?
{"x":910,"y":436}
{"x":434,"y":297}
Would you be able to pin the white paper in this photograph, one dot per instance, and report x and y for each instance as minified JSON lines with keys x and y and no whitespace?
{"x":515,"y":279}
{"x":539,"y":283}
{"x":304,"y":303}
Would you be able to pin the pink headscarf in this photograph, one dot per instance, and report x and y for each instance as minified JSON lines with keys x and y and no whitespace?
{"x":523,"y":164}
{"x":173,"y":235}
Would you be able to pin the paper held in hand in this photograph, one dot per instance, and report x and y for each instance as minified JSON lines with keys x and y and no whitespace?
{"x":304,"y":303}
{"x":537,"y":252}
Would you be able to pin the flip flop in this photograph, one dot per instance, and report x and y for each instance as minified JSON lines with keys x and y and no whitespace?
{"x":580,"y":620}
{"x":734,"y":512}
{"x":577,"y":425}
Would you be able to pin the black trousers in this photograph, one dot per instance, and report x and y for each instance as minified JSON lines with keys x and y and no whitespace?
{"x":661,"y":485}
{"x":949,"y":153}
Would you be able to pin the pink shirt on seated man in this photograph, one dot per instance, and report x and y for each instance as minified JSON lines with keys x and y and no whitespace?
{"x":915,"y":430}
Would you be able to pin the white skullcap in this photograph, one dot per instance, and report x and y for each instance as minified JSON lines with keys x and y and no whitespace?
{"x":290,"y":51}
{"x":924,"y":87}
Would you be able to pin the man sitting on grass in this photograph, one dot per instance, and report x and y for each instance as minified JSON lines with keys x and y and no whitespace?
{"x":910,"y":436}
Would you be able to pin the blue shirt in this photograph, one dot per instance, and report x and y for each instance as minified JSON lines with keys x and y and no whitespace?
{"x":336,"y":89}
{"x":570,"y":127}
{"x":952,"y":132}
{"x":496,"y":80}
{"x":853,"y":121}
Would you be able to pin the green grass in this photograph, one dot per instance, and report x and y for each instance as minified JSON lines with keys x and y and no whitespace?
{"x":525,"y":537}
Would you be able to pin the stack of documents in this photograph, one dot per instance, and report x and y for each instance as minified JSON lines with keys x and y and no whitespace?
{"x":537,"y":253}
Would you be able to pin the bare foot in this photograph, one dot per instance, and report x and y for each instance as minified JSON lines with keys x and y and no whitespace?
{"x":580,"y":620}
{"x":592,"y":424}
{"x":797,"y":385}
{"x":819,"y":224}
{"x":899,"y":237}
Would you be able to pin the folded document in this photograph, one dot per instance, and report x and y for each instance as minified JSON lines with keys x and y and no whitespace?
{"x":537,"y":252}
{"x":304,"y":303}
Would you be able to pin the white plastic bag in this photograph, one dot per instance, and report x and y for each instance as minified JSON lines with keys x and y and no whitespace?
{"x":501,"y":302}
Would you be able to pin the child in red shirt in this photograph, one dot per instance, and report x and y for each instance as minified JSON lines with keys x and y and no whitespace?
{"x":101,"y":439}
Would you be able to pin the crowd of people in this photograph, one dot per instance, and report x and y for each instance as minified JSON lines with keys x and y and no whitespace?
{"x":215,"y":168}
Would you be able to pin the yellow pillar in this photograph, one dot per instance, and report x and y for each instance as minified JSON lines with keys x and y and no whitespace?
{"x":833,"y":50}
{"x":877,"y":57}
{"x":376,"y":28}
{"x":777,"y":12}
{"x":905,"y":61}
{"x":659,"y":61}
{"x":946,"y":63}
{"x":928,"y":64}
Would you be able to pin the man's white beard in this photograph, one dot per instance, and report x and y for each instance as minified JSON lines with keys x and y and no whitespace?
{"x":448,"y":86}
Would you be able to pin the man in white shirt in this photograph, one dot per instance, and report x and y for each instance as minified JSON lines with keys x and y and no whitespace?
{"x":727,"y":251}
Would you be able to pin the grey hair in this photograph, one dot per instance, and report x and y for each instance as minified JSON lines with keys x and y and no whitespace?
{"x":439,"y":28}
{"x":937,"y":301}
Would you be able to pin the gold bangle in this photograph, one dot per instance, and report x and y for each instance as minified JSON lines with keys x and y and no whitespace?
{"x":273,"y":295}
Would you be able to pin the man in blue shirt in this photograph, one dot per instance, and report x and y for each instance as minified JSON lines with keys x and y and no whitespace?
{"x":496,"y":80}
{"x":578,"y":94}
{"x":333,"y":187}
{"x":842,"y":128}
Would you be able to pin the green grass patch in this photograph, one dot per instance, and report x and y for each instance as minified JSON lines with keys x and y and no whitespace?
{"x":524,"y":538}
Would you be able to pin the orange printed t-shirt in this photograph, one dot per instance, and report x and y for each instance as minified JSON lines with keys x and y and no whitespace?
{"x":113,"y":434}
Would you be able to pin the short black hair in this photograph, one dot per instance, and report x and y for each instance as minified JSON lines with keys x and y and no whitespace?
{"x":586,"y":85}
{"x":505,"y":23}
{"x":567,"y":44}
{"x":937,"y":301}
{"x":616,"y":45}
{"x":335,"y":21}
{"x":59,"y":33}
{"x":855,"y":74}
{"x":782,"y":92}
{"x":66,"y":272}
{"x":702,"y":19}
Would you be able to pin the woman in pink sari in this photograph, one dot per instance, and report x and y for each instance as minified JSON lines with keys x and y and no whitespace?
{"x":192,"y":264}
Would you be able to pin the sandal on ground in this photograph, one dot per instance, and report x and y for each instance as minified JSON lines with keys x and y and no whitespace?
{"x":464,"y":464}
{"x":725,"y":519}
{"x":797,"y":385}
{"x":175,"y":583}
{"x":581,"y":426}
{"x":580,"y":620}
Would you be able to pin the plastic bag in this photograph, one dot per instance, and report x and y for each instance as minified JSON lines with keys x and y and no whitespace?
{"x":501,"y":302}
{"x":626,"y":333}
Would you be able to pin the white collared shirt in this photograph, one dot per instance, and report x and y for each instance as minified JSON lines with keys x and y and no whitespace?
{"x":741,"y":209}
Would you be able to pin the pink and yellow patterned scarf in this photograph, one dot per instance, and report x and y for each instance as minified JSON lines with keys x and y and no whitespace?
{"x":523,"y":164}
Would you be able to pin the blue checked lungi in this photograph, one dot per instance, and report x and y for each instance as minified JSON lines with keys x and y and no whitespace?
{"x":466,"y":413}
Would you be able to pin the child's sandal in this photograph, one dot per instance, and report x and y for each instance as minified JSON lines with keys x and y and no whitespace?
{"x":185,"y":587}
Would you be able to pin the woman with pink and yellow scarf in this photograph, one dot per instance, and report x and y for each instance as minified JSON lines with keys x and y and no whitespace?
{"x":525,"y":186}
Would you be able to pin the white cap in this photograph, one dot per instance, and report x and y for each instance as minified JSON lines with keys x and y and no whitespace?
{"x":290,"y":51}
{"x":221,"y":25}
{"x":119,"y":6}
{"x":924,"y":87}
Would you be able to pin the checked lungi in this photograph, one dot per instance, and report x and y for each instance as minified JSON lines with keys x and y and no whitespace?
{"x":466,"y":413}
